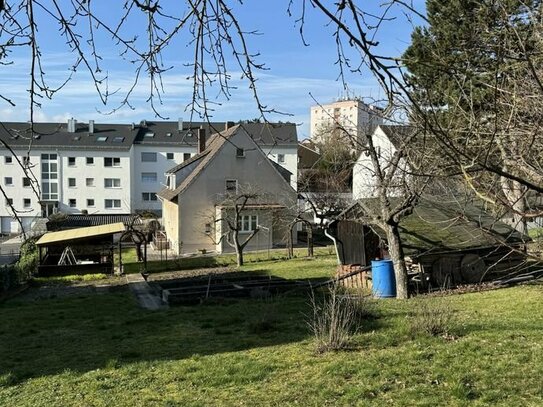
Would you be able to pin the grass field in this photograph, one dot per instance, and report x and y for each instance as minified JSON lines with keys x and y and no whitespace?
{"x":102,"y":350}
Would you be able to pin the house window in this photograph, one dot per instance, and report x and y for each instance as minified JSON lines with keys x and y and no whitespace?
{"x":8,"y":159}
{"x":232,"y":185}
{"x":186,"y":156}
{"x":90,"y":203}
{"x":90,"y":160}
{"x":27,"y":203}
{"x":148,"y":196}
{"x":71,"y":182}
{"x":148,"y":177}
{"x":101,"y":139}
{"x":169,"y":156}
{"x":71,"y":161}
{"x":112,"y":203}
{"x":248,"y":223}
{"x":72,"y":203}
{"x":148,"y":157}
{"x":280,"y":158}
{"x":8,"y":180}
{"x":208,"y":228}
{"x":112,"y":182}
{"x":240,"y":152}
{"x":89,"y":182}
{"x":49,"y":177}
{"x":112,"y":162}
{"x":26,"y":182}
{"x":9,"y":201}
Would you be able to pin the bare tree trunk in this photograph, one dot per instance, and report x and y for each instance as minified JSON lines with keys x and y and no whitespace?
{"x":395,"y":250}
{"x":239,"y":256}
{"x":309,"y":240}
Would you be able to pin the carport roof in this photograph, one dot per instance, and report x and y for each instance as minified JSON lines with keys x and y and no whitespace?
{"x":80,"y":233}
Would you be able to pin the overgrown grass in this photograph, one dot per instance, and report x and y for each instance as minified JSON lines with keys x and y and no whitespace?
{"x":67,"y":280}
{"x":222,"y":260}
{"x":100,"y":350}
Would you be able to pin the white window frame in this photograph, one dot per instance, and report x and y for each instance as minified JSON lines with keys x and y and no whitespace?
{"x":10,"y":183}
{"x":25,"y":205}
{"x":112,"y":204}
{"x":70,"y":183}
{"x":90,"y":160}
{"x":115,"y":161}
{"x":89,"y":205}
{"x":148,"y":197}
{"x":74,"y":203}
{"x":114,"y":183}
{"x":151,"y":157}
{"x":146,"y":179}
{"x":281,"y":158}
{"x":89,"y":182}
{"x":247,"y":222}
{"x":72,"y":164}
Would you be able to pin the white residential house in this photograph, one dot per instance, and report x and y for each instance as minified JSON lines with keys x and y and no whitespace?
{"x":385,"y":139}
{"x":194,"y":201}
{"x":104,"y":168}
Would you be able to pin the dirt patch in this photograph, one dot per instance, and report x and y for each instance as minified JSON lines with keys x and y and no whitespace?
{"x":171,"y":275}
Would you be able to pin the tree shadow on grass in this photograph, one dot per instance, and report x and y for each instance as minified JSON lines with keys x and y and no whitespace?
{"x":89,"y":331}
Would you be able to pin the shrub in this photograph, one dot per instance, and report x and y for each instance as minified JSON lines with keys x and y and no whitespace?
{"x":434,"y":319}
{"x":336,"y":318}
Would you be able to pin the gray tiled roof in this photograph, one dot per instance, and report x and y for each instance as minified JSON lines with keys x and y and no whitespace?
{"x":123,"y":136}
{"x":56,"y":135}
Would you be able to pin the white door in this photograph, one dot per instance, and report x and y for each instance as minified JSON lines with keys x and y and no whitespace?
{"x":15,"y":227}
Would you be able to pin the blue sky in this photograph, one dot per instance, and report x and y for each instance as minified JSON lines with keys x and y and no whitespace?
{"x":296,"y":75}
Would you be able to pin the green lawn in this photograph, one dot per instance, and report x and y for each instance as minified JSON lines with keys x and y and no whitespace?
{"x":221,"y":260}
{"x":102,"y":350}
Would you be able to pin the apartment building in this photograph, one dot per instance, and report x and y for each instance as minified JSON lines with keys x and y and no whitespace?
{"x":352,"y":115}
{"x":106,"y":168}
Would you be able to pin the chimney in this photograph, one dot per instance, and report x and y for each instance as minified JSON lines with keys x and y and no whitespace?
{"x":180,"y":124}
{"x":201,"y":140}
{"x":227,"y":125}
{"x":91,"y":126}
{"x":72,"y":123}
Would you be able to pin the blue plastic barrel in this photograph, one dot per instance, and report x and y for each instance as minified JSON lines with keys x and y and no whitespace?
{"x":383,"y":280}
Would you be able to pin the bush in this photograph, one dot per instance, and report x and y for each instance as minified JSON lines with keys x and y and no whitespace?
{"x":337,"y":318}
{"x":13,"y":275}
{"x":8,"y":277}
{"x":434,"y":319}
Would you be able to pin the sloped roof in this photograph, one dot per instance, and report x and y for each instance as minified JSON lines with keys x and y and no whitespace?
{"x":123,"y":136}
{"x":56,"y":135}
{"x":397,"y":134}
{"x":203,"y":159}
{"x":214,"y":145}
{"x":80,"y":233}
{"x":307,"y":157}
{"x":443,"y":225}
{"x":79,"y":220}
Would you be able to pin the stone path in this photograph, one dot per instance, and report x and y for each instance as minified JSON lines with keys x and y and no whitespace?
{"x":144,"y":293}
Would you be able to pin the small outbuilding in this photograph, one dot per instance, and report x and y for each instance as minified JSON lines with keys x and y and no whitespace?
{"x":85,"y":250}
{"x":446,"y":242}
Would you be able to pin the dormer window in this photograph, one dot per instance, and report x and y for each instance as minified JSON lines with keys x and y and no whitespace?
{"x":240,"y":152}
{"x":149,"y":134}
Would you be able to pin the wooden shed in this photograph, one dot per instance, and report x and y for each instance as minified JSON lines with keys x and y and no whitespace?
{"x":447,"y":242}
{"x":78,"y":251}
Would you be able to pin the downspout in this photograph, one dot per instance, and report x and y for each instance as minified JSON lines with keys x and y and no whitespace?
{"x":328,"y":235}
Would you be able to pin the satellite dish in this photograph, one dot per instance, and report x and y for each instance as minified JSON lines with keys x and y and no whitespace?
{"x":472,"y":268}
